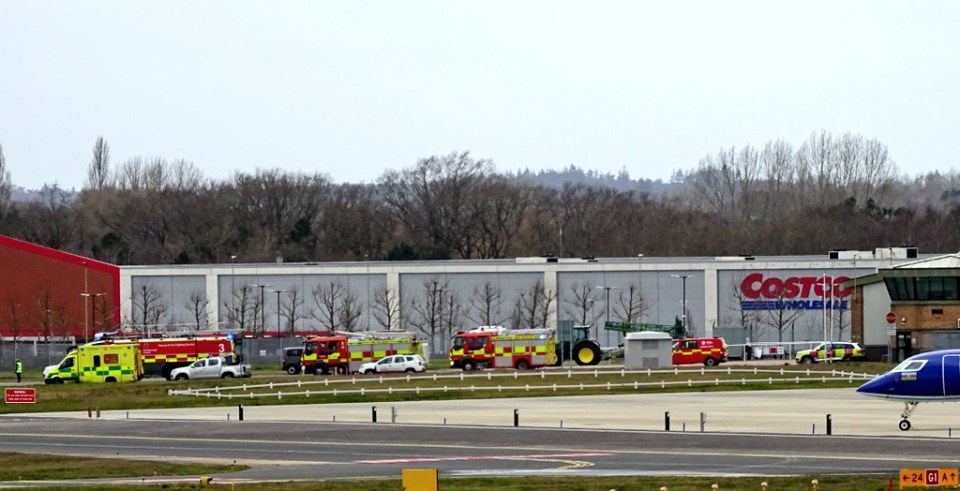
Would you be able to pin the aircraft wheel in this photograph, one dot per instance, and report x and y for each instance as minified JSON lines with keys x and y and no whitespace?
{"x":904,"y":425}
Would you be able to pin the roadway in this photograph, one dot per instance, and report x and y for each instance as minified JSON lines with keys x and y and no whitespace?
{"x":746,"y":433}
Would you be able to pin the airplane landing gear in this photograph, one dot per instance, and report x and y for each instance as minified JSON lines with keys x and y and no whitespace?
{"x":908,"y":409}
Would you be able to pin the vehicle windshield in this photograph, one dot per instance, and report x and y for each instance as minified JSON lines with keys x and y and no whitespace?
{"x":458,"y":342}
{"x":910,"y":366}
{"x":310,"y":348}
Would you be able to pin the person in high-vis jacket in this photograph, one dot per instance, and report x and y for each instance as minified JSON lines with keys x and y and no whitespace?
{"x":19,"y":369}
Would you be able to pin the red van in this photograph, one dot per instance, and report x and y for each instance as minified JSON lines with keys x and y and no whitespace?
{"x":708,"y":351}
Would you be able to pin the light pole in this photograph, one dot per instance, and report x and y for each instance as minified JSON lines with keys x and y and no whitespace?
{"x":263,"y":310}
{"x":233,"y":290}
{"x":606,"y":317}
{"x":683,"y":315}
{"x":366,"y":259}
{"x":640,"y":283}
{"x":88,"y":313}
{"x":278,"y":292}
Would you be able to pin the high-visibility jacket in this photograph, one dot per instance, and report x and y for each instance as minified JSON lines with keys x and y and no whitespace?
{"x":19,"y":367}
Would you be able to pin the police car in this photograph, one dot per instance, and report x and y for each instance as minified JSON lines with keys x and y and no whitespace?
{"x":831,"y":351}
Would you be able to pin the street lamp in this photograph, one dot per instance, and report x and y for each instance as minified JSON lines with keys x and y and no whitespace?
{"x":640,"y":283}
{"x":607,"y":316}
{"x":683,"y":315}
{"x":233,"y":290}
{"x":86,"y":314}
{"x":278,"y":292}
{"x":263,"y":312}
{"x":366,"y":259}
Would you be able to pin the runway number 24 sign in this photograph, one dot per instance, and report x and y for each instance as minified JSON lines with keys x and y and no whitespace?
{"x":921,"y":478}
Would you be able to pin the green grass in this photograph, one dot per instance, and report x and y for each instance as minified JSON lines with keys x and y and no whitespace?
{"x":28,"y":467}
{"x":153,"y":393}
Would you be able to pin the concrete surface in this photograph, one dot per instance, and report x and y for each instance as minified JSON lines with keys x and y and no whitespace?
{"x":801,"y":411}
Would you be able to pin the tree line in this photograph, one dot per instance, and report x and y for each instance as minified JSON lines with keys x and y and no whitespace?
{"x":828,"y":192}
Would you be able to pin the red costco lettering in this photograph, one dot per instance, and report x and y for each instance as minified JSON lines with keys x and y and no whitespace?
{"x":754,"y":286}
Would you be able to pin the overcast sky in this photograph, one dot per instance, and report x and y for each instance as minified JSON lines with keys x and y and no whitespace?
{"x":351,"y":88}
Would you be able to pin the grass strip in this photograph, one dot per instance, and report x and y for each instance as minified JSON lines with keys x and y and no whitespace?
{"x":32,"y":467}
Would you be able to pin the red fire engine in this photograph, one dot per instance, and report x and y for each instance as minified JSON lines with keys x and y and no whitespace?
{"x":345,"y":354}
{"x":708,"y":351}
{"x":162,"y":355}
{"x":496,"y":347}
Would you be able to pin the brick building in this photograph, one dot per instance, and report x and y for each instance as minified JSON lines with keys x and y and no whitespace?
{"x":921,"y":297}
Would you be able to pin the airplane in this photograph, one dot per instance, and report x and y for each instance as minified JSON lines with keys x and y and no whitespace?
{"x":926,"y":377}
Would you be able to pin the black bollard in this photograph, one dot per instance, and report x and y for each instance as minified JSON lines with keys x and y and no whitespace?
{"x":829,"y":424}
{"x":516,"y":417}
{"x":240,"y":408}
{"x":666,"y":421}
{"x":373,"y":414}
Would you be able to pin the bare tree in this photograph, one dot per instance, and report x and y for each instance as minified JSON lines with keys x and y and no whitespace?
{"x":239,"y":307}
{"x":630,"y":305}
{"x":427,"y":313}
{"x":435,"y":203}
{"x":292,"y":309}
{"x":328,"y":299}
{"x":533,"y":306}
{"x":745,"y":318}
{"x":485,"y":305}
{"x":349,"y":311}
{"x":782,"y":317}
{"x":15,"y":316}
{"x":386,"y":307}
{"x":580,"y":305}
{"x":149,"y":306}
{"x":197,"y":305}
{"x":98,"y":174}
{"x":5,"y":185}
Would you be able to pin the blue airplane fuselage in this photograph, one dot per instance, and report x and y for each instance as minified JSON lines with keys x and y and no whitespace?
{"x":927,"y":377}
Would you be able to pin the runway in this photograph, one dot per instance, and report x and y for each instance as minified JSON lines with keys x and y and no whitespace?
{"x":744,"y":433}
{"x":792,"y":412}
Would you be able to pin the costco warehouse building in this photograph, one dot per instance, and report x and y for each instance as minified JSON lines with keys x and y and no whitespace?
{"x":775,"y":299}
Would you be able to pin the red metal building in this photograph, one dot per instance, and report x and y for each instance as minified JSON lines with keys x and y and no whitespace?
{"x":46,"y":293}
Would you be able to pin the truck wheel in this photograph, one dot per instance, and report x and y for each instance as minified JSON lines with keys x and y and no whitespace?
{"x":182,"y":376}
{"x":469,"y":366}
{"x":522,"y":364}
{"x":586,"y":352}
{"x":227,"y":375}
{"x":293,"y":369}
{"x":110,"y":380}
{"x":709,"y":362}
{"x":806,"y":360}
{"x":409,"y":370}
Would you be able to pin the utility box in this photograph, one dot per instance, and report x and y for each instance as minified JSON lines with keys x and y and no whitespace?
{"x":647,"y":350}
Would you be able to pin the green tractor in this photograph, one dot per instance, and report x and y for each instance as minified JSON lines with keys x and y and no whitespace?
{"x":577,"y":345}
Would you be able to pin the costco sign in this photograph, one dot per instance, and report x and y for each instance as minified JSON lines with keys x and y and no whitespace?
{"x":794,"y":292}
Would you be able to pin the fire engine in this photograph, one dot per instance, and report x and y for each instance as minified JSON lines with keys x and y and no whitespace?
{"x":708,"y":351}
{"x":345,"y":352}
{"x":162,"y":355}
{"x":496,"y":347}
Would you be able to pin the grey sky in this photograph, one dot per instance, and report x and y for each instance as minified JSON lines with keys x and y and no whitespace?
{"x":351,"y":88}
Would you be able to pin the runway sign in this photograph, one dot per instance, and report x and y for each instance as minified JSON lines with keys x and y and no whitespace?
{"x":921,"y":478}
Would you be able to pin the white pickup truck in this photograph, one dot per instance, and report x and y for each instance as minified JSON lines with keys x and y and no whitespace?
{"x":212,"y":367}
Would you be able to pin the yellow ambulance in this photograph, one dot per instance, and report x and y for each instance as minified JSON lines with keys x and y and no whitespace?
{"x":107,"y":361}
